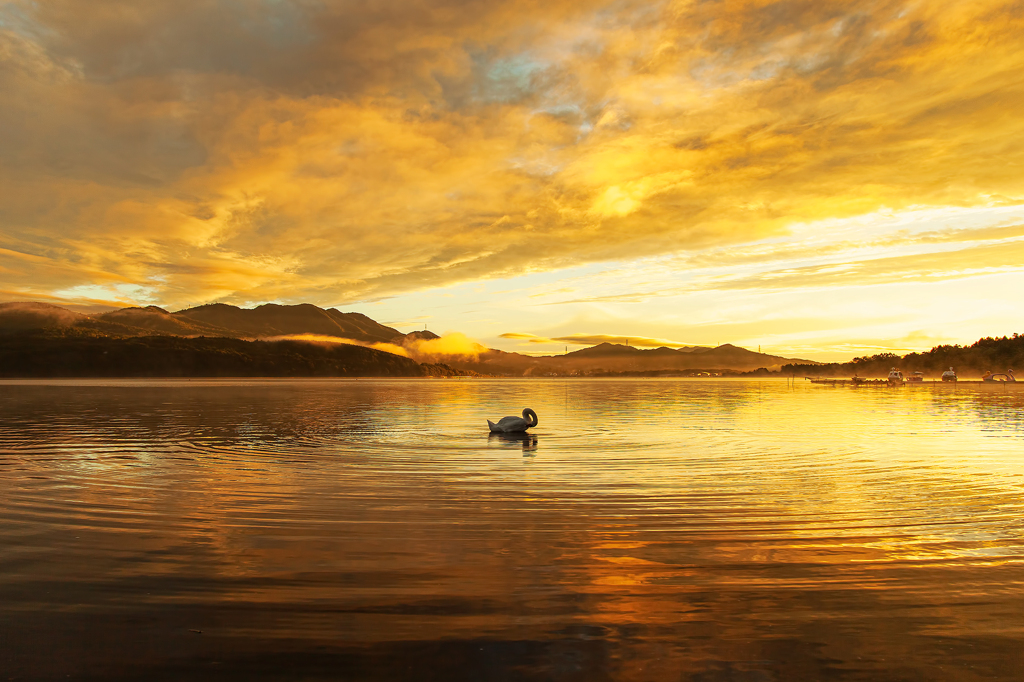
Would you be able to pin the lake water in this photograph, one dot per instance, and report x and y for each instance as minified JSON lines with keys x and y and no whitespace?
{"x":644,"y":530}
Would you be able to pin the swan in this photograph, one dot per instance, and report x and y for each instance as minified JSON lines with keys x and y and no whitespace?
{"x":514,"y":424}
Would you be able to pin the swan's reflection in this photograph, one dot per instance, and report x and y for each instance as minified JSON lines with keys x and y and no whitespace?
{"x":527,"y":440}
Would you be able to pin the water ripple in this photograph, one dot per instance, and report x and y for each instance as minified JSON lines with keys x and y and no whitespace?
{"x":700,"y":524}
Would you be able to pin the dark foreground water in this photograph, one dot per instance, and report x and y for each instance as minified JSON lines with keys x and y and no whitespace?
{"x":646,"y":530}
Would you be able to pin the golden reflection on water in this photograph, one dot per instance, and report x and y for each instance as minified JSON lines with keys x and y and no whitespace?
{"x":646,"y":529}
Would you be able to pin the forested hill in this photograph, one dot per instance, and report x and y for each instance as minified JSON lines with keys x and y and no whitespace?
{"x":988,"y":354}
{"x":83,"y":355}
{"x":214,"y":320}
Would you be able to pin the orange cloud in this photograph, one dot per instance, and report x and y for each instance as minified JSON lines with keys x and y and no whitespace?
{"x":451,"y":345}
{"x":594,"y":339}
{"x":330,"y":340}
{"x":532,"y":338}
{"x":331,"y":153}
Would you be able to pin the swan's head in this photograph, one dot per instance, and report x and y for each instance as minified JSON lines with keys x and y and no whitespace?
{"x":530,"y":416}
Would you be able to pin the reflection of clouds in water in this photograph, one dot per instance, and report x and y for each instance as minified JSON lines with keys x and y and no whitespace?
{"x":661,"y":509}
{"x":528,"y":441}
{"x":217,"y":415}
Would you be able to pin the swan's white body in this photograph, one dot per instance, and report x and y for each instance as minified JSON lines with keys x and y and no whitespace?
{"x":514,"y":424}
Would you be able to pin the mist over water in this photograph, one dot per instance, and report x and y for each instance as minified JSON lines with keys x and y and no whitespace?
{"x":644,"y":530}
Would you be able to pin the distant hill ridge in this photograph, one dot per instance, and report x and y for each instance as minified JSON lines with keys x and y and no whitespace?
{"x":215,"y":319}
{"x":44,"y":340}
{"x":613,"y":357}
{"x":992,"y":354}
{"x":175,"y":356}
{"x":273,"y":320}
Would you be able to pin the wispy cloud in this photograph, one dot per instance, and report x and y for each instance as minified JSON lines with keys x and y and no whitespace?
{"x":325,"y":340}
{"x":446,"y":347}
{"x":594,"y":339}
{"x":332,"y":152}
{"x":452,"y":344}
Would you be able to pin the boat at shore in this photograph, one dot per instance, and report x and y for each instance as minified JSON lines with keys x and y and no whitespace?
{"x":855,"y":381}
{"x":861,"y":381}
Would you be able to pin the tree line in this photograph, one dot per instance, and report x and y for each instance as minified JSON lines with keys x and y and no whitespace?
{"x":995,"y":354}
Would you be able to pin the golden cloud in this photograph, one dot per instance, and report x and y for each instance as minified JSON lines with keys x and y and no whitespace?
{"x":532,"y":338}
{"x":324,"y":339}
{"x":330,"y":153}
{"x":594,"y":339}
{"x":977,"y":260}
{"x":451,"y":345}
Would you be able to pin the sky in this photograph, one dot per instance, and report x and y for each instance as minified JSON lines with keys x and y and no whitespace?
{"x":822,"y":179}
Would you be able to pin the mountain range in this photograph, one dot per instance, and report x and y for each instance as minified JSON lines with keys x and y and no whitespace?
{"x":271,"y":321}
{"x":216,"y":319}
{"x":611,"y":358}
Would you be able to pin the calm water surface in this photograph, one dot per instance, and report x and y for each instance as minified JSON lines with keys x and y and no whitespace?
{"x":645,"y":530}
